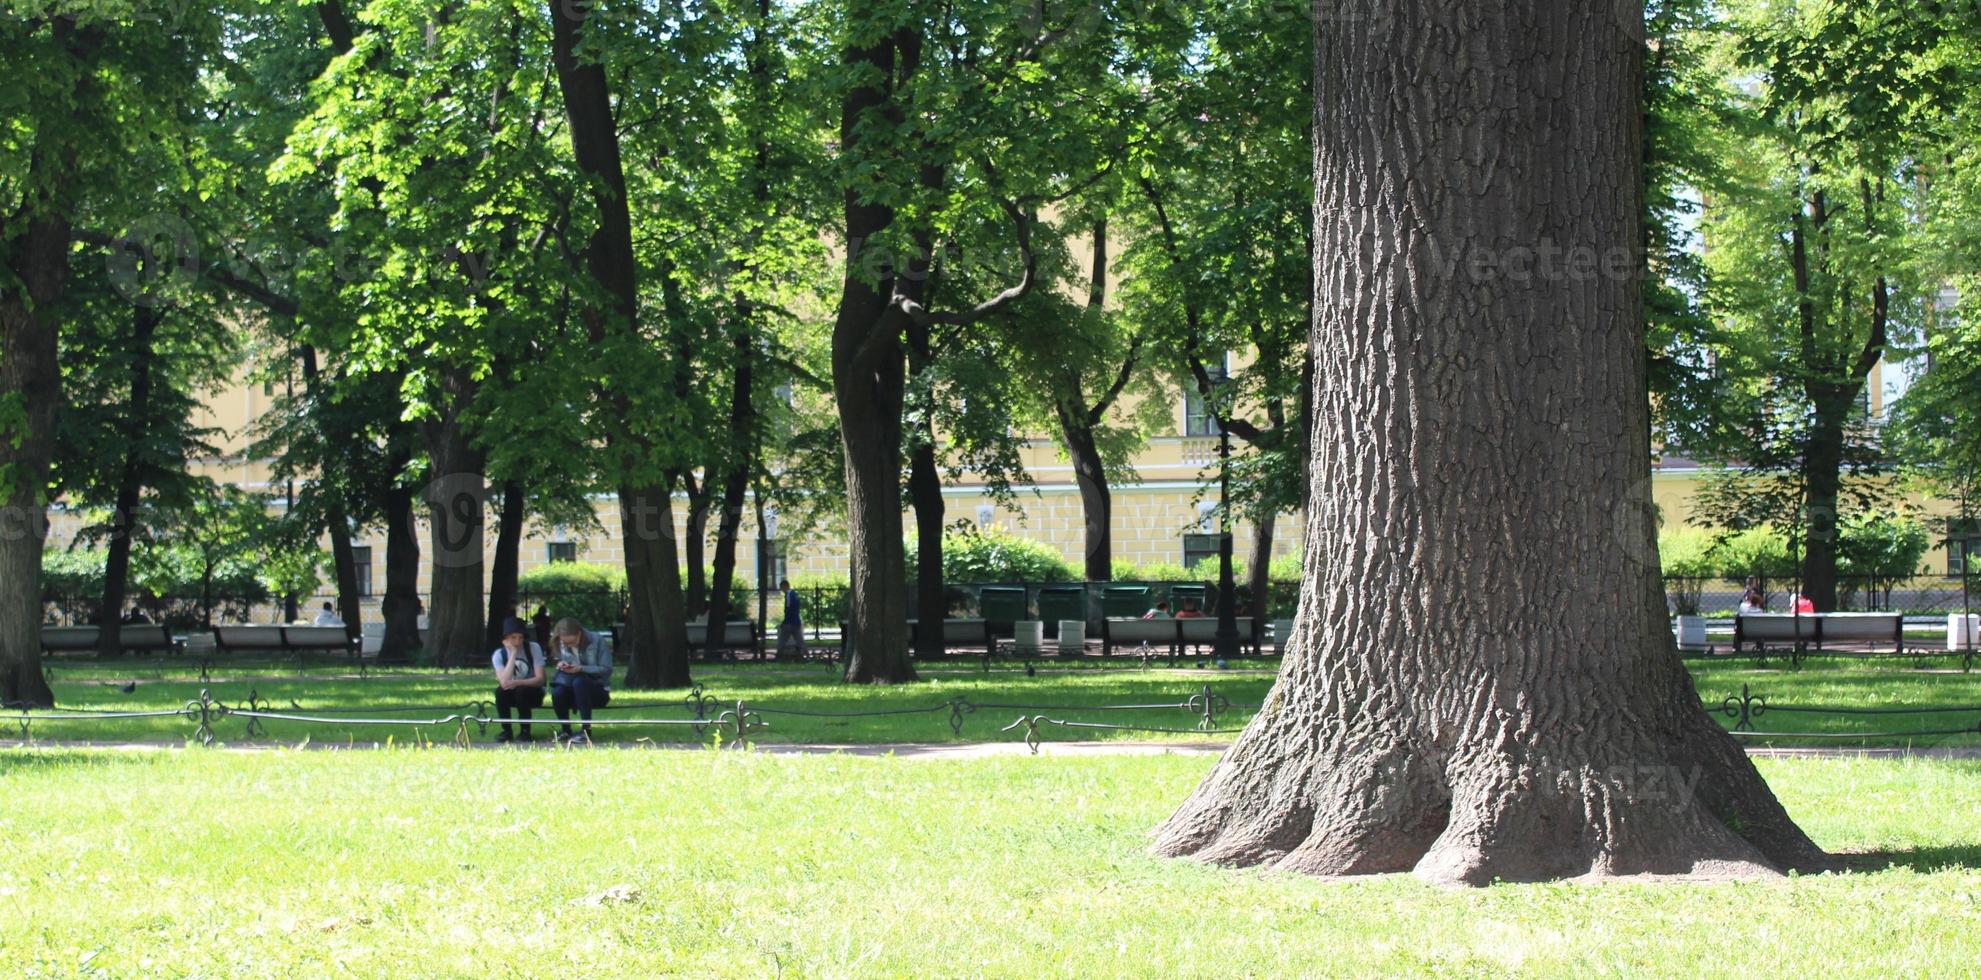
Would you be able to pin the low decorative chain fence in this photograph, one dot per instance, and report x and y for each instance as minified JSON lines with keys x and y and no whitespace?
{"x":731,"y":723}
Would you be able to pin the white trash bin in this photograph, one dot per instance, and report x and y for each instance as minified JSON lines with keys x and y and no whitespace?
{"x":1072,"y":637}
{"x":1028,"y":636}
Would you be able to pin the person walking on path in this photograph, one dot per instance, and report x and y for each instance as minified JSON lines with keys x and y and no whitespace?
{"x":791,"y":631}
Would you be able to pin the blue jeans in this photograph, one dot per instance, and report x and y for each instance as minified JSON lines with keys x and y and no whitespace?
{"x":581,"y":692}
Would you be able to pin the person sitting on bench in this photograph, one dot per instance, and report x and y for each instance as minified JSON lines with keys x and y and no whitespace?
{"x":519,"y":678}
{"x":583,"y":679}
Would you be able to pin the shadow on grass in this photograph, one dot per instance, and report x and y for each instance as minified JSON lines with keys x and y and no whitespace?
{"x":24,"y":760}
{"x":1963,"y":857}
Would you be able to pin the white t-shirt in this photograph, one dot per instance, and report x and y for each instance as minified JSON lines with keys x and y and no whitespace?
{"x":327,"y":618}
{"x":527,"y":666}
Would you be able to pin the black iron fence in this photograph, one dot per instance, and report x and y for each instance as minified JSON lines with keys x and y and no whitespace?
{"x":1914,"y":595}
{"x":728,"y":723}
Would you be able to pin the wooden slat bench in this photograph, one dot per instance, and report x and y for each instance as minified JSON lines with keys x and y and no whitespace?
{"x":131,"y":638}
{"x":1818,"y":629}
{"x":299,"y":640}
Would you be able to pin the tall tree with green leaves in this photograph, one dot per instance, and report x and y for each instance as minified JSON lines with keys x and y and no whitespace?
{"x":92,"y":89}
{"x":946,"y":126}
{"x":1809,"y":246}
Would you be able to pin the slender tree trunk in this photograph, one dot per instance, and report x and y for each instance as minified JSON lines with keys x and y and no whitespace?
{"x":401,"y":606}
{"x":344,"y":568}
{"x":508,"y":559}
{"x":1437,"y":710}
{"x":736,"y":480}
{"x":1822,"y":477}
{"x":455,"y":498}
{"x":656,"y":621}
{"x":696,"y":539}
{"x":925,"y":493}
{"x":130,"y":483}
{"x":30,"y":383}
{"x":1258,"y":565}
{"x":1096,"y":498}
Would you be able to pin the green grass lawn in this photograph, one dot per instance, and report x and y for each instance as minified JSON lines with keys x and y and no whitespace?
{"x":440,"y":863}
{"x":806,"y":704}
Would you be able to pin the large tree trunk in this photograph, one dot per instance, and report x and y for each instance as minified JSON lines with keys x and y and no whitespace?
{"x":401,"y":606}
{"x":130,"y":484}
{"x":455,"y":503}
{"x":508,"y":559}
{"x":30,"y":383}
{"x":344,"y":568}
{"x":1482,"y":453}
{"x":656,"y":623}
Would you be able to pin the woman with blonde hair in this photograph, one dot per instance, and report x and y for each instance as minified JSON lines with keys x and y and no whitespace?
{"x":583,"y":679}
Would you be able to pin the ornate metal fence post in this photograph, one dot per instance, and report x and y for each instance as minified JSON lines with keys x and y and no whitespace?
{"x":255,"y":703}
{"x":1207,"y":704}
{"x":1031,"y":724}
{"x":958,"y":708}
{"x":203,"y":711}
{"x":1744,"y":708}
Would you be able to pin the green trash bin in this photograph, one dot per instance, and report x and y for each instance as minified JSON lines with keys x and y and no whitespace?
{"x":1057,"y":602}
{"x":1124,"y":601}
{"x":1002,"y":605}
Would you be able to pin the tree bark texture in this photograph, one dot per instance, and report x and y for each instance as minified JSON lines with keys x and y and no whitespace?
{"x":502,"y":578}
{"x":455,"y":498}
{"x":30,"y":382}
{"x":401,"y":606}
{"x":1480,"y":458}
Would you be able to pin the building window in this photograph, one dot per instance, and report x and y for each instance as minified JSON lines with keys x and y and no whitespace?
{"x":1198,"y":419}
{"x":1199,"y":547}
{"x":770,"y":563}
{"x":557,"y":551}
{"x":1963,"y":548}
{"x":361,"y":560}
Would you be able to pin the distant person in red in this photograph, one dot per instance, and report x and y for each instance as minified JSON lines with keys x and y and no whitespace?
{"x":1190,"y":610}
{"x":1804,"y":604}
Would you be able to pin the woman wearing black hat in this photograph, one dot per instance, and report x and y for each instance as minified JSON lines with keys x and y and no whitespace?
{"x":519,"y":678}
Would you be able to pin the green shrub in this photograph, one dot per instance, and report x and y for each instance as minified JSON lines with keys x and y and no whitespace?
{"x":995,"y":557}
{"x":1159,"y":571}
{"x":589,"y":593}
{"x":1753,"y":552}
{"x":1877,"y":551}
{"x":1688,"y":559}
{"x":73,"y":573}
{"x":1285,"y":568}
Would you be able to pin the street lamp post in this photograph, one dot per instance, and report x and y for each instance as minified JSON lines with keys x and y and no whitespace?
{"x":1224,"y":644}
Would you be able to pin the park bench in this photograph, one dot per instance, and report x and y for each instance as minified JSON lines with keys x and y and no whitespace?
{"x":737,"y":634}
{"x":300,"y":640}
{"x":1823,"y":630}
{"x":1202,"y":632}
{"x":1136,"y":632}
{"x":131,"y":637}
